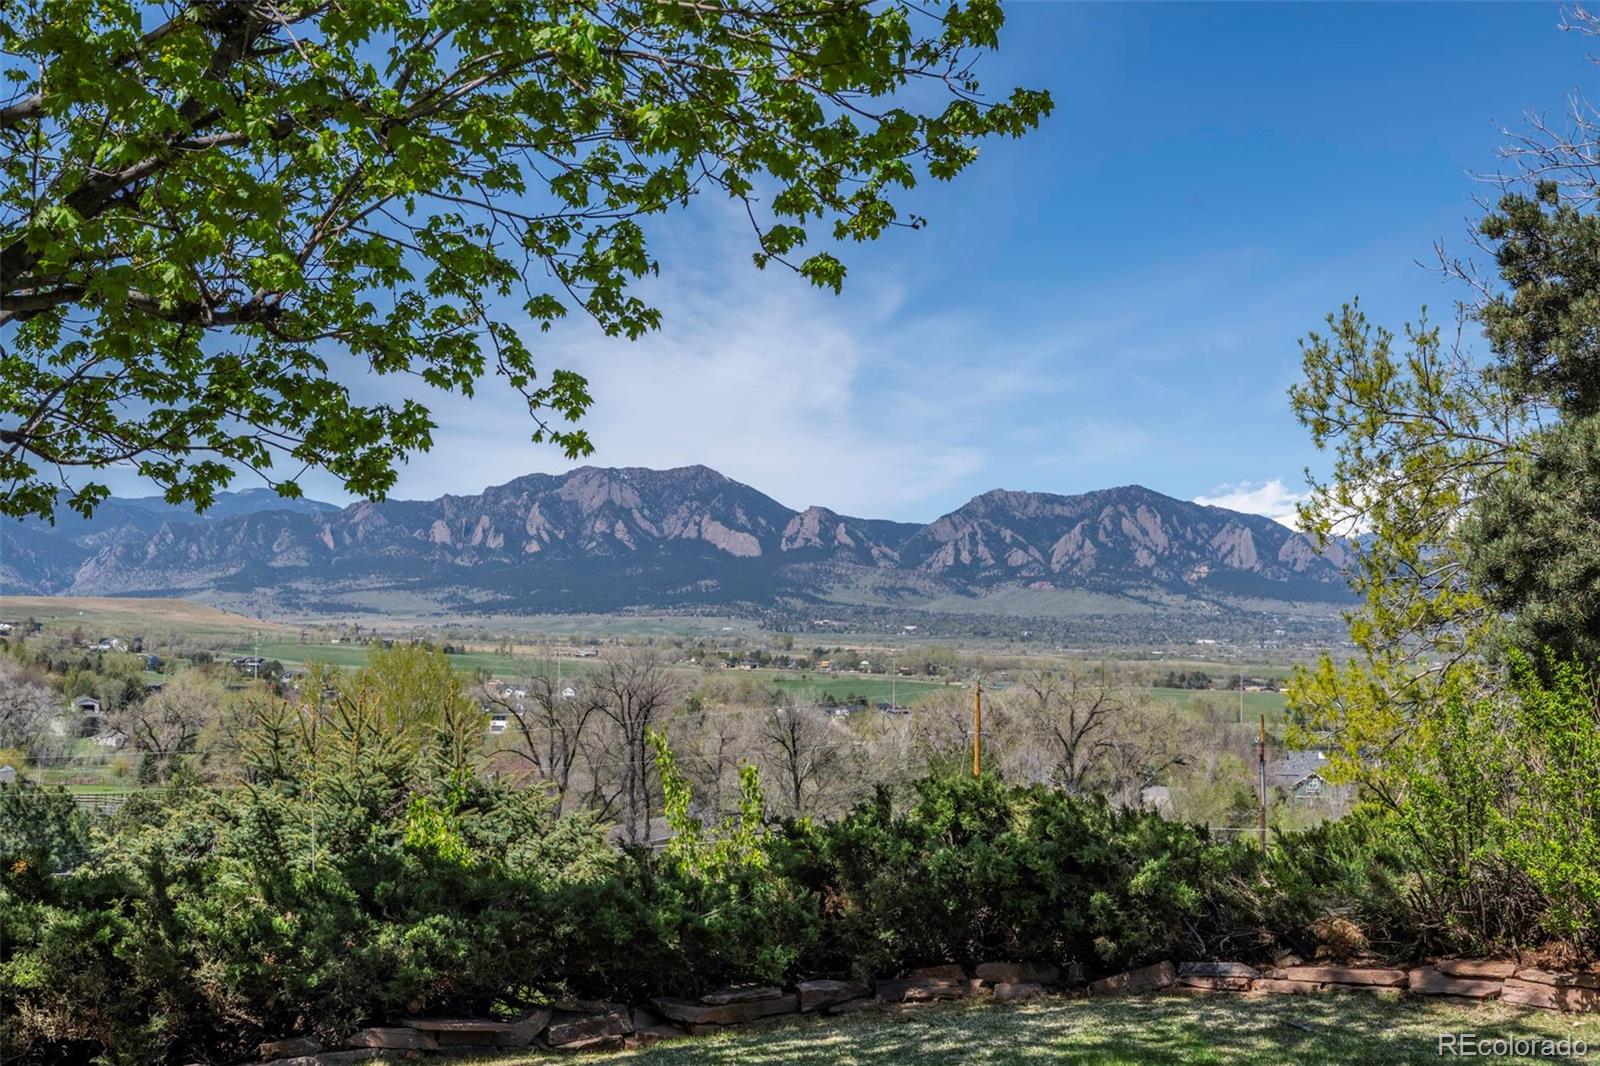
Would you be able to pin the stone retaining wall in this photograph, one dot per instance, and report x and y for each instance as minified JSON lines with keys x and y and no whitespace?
{"x":588,"y":1025}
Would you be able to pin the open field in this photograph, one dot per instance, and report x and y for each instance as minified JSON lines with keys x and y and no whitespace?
{"x":1271,"y":704}
{"x":1168,"y":1030}
{"x":296,"y":646}
{"x":812,"y":687}
{"x":110,"y":615}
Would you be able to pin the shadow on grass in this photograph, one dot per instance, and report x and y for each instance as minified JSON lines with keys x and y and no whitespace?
{"x":1328,"y":1030}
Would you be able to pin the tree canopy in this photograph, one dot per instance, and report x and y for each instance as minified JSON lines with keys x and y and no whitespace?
{"x":1468,"y":463}
{"x":219,"y":217}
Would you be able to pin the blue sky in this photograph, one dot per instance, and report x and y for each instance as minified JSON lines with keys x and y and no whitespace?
{"x":1114,"y":299}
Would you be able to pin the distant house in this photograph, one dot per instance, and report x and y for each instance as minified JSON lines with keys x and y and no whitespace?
{"x":1299,"y":775}
{"x":8,"y":774}
{"x":109,"y":644}
{"x":91,"y":715}
{"x":498,"y":722}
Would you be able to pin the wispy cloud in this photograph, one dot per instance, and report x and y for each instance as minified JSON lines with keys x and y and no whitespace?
{"x":753,"y":373}
{"x":1271,"y":498}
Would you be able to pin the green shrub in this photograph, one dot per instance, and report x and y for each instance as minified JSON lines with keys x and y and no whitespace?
{"x":975,"y":869}
{"x":365,"y":872}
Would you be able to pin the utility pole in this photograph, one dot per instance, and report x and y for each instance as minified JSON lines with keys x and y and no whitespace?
{"x":977,"y":729}
{"x":1261,"y":760}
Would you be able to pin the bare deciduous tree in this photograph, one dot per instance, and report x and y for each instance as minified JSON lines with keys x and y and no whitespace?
{"x":170,"y":722}
{"x":1083,"y":732}
{"x":27,"y":709}
{"x":634,"y":692}
{"x":549,"y":726}
{"x":711,"y":745}
{"x":802,"y":752}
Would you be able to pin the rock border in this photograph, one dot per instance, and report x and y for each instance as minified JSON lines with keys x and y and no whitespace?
{"x":588,"y":1025}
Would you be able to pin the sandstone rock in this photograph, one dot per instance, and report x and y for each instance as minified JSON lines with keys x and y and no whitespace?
{"x":1144,"y":979}
{"x":1560,"y":980}
{"x":646,"y":1035}
{"x":584,"y":1028}
{"x":1525,"y":993}
{"x":525,"y":1029}
{"x":1016,"y":991}
{"x":823,"y":993}
{"x":1215,"y":969}
{"x":691,"y":1013}
{"x":1428,"y":981}
{"x":1284,"y":987}
{"x":947,"y":971}
{"x":1347,"y":975}
{"x":1018,"y":972}
{"x":1550,"y":997}
{"x":925,"y":989}
{"x":1385,"y":992}
{"x":1215,"y":984}
{"x":460,"y":1032}
{"x":741,"y":994}
{"x":1288,"y":958}
{"x":1487,"y":969}
{"x":289,"y":1048}
{"x":598,"y":1042}
{"x":455,"y":1025}
{"x":339,"y":1058}
{"x":393,"y":1038}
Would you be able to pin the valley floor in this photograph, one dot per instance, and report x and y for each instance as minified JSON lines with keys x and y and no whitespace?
{"x":1327,"y":1030}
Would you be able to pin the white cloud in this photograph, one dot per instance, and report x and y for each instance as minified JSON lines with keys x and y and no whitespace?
{"x":755,"y":374}
{"x":1272,"y":499}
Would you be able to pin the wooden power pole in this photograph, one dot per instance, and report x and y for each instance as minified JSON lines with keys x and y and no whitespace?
{"x":977,"y":730}
{"x":1261,"y":761}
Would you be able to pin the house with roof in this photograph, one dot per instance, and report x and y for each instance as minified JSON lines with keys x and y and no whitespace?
{"x":1301,"y":777}
{"x":90,"y":714}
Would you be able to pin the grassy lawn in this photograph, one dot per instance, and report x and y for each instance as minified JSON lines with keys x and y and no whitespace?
{"x":1329,"y":1030}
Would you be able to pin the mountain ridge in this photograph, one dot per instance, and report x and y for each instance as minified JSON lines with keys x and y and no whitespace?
{"x":603,"y":539}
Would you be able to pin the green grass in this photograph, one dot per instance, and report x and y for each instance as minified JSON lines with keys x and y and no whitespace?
{"x":349,"y":656}
{"x":1166,"y":1030}
{"x":1271,"y":704}
{"x":813,"y":687}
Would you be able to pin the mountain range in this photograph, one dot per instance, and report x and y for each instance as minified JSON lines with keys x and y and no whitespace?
{"x":597,"y":540}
